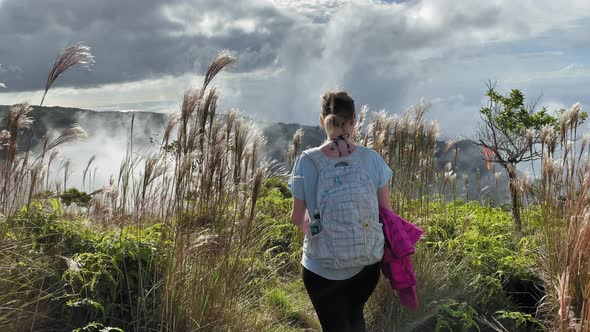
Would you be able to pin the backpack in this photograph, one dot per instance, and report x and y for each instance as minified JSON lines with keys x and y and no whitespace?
{"x":350,"y":234}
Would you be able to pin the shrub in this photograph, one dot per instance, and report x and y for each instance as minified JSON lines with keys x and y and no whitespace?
{"x":88,"y":275}
{"x":72,"y":195}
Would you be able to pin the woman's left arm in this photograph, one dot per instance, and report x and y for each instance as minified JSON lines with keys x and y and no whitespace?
{"x":384,"y":197}
{"x":384,"y":175}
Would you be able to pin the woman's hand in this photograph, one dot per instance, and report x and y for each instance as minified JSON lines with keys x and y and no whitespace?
{"x":305,"y":225}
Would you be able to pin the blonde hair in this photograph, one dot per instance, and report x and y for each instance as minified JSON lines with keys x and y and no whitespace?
{"x":337,"y":110}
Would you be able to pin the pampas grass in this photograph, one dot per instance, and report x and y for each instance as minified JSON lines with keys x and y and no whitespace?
{"x":74,"y":55}
{"x":565,"y":233}
{"x":26,"y":173}
{"x":17,"y":120}
{"x":222,"y":60}
{"x":408,"y":145}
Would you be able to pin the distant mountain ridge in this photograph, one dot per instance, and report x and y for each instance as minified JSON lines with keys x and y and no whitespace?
{"x":59,"y":118}
{"x":149,"y":127}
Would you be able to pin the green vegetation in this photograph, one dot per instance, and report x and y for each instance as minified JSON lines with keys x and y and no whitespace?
{"x":470,"y":266}
{"x":72,"y":195}
{"x":90,"y":275}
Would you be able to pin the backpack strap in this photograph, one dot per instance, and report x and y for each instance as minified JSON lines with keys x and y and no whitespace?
{"x":360,"y":157}
{"x":319,"y":159}
{"x":321,"y":163}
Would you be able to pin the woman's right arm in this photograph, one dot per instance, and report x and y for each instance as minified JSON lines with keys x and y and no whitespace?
{"x":295,"y":184}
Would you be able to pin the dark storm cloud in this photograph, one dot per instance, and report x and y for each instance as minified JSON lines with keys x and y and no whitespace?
{"x":131,"y":39}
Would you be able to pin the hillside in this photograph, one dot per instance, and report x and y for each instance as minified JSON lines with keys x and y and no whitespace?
{"x":109,"y":131}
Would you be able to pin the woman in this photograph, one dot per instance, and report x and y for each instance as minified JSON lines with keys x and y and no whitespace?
{"x":340,"y":270}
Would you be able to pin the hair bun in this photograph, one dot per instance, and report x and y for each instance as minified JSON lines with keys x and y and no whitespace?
{"x":335,"y":120}
{"x":337,"y":109}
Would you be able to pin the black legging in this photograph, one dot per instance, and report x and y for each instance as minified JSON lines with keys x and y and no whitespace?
{"x":339,"y":304}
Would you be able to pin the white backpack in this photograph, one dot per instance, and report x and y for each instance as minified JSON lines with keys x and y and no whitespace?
{"x":350,"y":233}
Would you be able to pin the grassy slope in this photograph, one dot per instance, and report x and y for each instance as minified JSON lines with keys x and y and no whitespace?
{"x":468,"y":266}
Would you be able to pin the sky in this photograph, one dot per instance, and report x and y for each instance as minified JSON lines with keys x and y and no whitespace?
{"x":386,"y":54}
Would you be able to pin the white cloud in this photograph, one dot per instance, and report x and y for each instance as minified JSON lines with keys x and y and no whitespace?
{"x":571,"y":71}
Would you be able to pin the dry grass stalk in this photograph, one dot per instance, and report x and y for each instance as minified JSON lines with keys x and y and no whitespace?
{"x":17,"y":119}
{"x":258,"y":141}
{"x":241,"y":134}
{"x":74,"y":55}
{"x":72,"y":134}
{"x":359,"y":137}
{"x":173,"y":121}
{"x":222,"y":60}
{"x":66,"y":167}
{"x":85,"y":172}
{"x":52,"y":157}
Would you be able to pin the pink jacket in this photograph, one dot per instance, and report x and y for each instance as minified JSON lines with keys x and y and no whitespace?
{"x":400,"y":238}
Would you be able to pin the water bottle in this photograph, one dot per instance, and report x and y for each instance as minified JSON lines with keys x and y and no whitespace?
{"x":315,"y":226}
